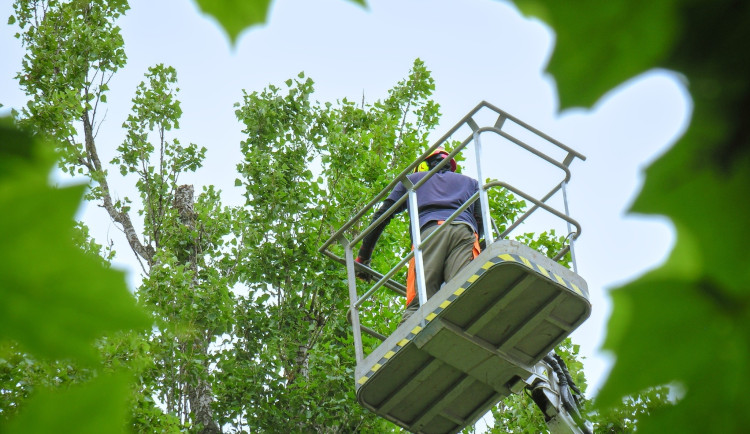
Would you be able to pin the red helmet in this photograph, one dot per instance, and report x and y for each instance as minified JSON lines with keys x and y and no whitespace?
{"x":424,"y":166}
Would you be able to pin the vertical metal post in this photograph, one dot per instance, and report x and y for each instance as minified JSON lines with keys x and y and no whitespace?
{"x":352,"y":281}
{"x":483,"y":198}
{"x":572,"y":241}
{"x":416,"y":238}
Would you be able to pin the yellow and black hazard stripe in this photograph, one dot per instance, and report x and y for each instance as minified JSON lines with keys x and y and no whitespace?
{"x":506,"y":257}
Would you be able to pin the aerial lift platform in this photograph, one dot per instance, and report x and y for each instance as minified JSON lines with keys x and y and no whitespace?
{"x":487,"y":333}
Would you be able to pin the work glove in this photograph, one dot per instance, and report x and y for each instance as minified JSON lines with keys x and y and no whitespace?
{"x":361,"y":274}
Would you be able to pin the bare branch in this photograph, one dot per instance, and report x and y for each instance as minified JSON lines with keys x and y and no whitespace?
{"x":123,"y":218}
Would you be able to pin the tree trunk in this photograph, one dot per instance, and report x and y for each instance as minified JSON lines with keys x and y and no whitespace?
{"x":200,"y":395}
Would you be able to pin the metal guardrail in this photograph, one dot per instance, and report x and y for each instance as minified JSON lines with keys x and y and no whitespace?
{"x":386,"y":280}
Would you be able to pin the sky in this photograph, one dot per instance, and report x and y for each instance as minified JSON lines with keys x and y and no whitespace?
{"x":476,"y":49}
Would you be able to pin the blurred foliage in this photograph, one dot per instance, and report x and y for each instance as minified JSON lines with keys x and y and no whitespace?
{"x":685,"y":323}
{"x":79,"y":408}
{"x":57,"y":300}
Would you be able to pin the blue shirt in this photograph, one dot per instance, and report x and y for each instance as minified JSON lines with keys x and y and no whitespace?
{"x":440,"y":196}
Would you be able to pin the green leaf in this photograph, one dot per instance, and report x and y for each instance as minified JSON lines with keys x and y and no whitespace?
{"x":686,"y":323}
{"x":600,"y":44}
{"x":234,"y":16}
{"x":669,"y":329}
{"x":99,"y":406}
{"x":56,"y":299}
{"x":719,"y":224}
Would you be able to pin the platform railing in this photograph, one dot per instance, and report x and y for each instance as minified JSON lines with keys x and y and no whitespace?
{"x":386,"y":280}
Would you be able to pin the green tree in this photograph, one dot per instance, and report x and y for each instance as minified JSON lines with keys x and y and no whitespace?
{"x":307,"y":168}
{"x":187,"y":280}
{"x":57,"y":298}
{"x":74,"y":48}
{"x":702,"y":342}
{"x":299,"y":351}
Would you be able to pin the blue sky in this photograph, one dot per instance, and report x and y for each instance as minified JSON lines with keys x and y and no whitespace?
{"x":476,"y":49}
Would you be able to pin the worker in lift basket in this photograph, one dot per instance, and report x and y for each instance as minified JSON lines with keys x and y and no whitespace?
{"x":438,"y":198}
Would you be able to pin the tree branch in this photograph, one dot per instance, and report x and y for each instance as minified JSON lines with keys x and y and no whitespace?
{"x":117,"y":216}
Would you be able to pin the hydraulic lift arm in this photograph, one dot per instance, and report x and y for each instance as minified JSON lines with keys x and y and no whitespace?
{"x":550,"y":388}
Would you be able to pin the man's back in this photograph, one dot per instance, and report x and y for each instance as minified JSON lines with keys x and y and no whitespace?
{"x":441,"y":195}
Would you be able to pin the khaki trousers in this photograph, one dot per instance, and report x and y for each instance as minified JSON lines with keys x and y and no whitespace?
{"x":443,"y":258}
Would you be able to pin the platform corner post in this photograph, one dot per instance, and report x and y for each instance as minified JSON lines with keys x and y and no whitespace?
{"x":416,"y":236}
{"x":352,"y":283}
{"x":483,"y":196}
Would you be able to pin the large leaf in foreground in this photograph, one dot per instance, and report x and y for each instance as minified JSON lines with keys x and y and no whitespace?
{"x":688,"y":322}
{"x":98,"y":406}
{"x":55,"y":299}
{"x":675,"y":326}
{"x":600,"y":44}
